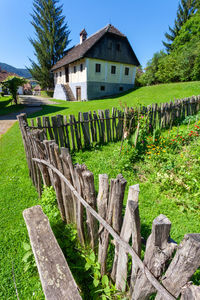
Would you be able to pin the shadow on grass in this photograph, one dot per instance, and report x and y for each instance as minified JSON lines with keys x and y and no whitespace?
{"x":46,"y":110}
{"x":4,"y":103}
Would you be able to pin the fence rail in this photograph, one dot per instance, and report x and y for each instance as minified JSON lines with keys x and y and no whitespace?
{"x":99,"y":217}
{"x":106,"y":126}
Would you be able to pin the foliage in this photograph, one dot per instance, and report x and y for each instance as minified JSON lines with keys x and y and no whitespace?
{"x":183,"y":62}
{"x":186,"y":9}
{"x":48,"y":94}
{"x":28,"y":258}
{"x":150,"y":75}
{"x":52,"y":34}
{"x":12,"y":83}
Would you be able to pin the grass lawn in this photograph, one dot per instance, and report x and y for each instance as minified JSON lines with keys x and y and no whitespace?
{"x":144,"y":96}
{"x":6,"y":107}
{"x":18,"y":193}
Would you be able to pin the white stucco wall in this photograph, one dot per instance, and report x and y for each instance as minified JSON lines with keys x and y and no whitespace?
{"x":106,"y":76}
{"x":79,"y":76}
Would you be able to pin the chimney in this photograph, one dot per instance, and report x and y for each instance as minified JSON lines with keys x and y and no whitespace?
{"x":83,"y":36}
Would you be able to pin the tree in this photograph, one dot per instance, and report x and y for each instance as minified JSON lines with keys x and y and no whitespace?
{"x":52,"y":34}
{"x":12,"y":83}
{"x":186,"y":9}
{"x":150,"y":75}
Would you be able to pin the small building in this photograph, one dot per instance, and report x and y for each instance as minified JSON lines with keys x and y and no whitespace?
{"x":4,"y":75}
{"x":101,"y":65}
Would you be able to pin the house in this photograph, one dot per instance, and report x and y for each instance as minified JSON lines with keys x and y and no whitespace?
{"x":101,"y":65}
{"x":4,"y":74}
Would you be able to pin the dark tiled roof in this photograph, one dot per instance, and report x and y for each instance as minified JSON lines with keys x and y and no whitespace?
{"x":80,"y":50}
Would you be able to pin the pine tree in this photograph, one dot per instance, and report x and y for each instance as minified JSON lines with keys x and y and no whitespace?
{"x":185,"y":10}
{"x":52,"y":37}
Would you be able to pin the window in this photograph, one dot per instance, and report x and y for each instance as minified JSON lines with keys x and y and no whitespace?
{"x":74,"y":69}
{"x":81,"y":67}
{"x":60,"y":74}
{"x":126,"y":71}
{"x":118,"y":47}
{"x":121,"y":88}
{"x":113,"y":69}
{"x":102,"y":88}
{"x":98,"y":68}
{"x":56,"y":74}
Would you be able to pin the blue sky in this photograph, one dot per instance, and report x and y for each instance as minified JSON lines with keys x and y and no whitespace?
{"x":144,"y":22}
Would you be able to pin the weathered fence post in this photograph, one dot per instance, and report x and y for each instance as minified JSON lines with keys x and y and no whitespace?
{"x":183,"y":266}
{"x":158,"y":251}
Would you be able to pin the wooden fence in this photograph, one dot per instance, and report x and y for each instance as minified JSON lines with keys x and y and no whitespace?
{"x":99,"y":218}
{"x":105,"y":126}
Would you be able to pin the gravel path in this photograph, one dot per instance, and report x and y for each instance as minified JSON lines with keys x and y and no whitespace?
{"x":32,"y":105}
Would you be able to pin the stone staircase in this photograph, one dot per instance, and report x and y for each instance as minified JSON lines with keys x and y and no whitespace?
{"x":69,"y":93}
{"x":63,"y":92}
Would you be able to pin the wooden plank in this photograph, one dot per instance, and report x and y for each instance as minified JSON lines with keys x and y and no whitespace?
{"x":86,"y":127}
{"x":102,"y":204}
{"x":55,"y":129}
{"x":159,"y":250}
{"x":77,"y":135}
{"x":79,"y":129}
{"x":133,"y":194}
{"x":97,"y":126}
{"x":68,"y":199}
{"x":105,"y":238}
{"x":183,"y":266}
{"x":130,"y":227}
{"x":113,"y":124}
{"x":111,"y":231}
{"x":117,"y":216}
{"x":102,"y":125}
{"x":67,"y":141}
{"x":39,"y":122}
{"x":79,"y":207}
{"x":57,"y":181}
{"x":108,"y":128}
{"x":55,"y":275}
{"x":90,"y":197}
{"x":60,"y":130}
{"x":190,"y":292}
{"x":32,"y":123}
{"x":71,"y":124}
{"x":40,"y":148}
{"x":85,"y":136}
{"x":48,"y":125}
{"x":91,"y":127}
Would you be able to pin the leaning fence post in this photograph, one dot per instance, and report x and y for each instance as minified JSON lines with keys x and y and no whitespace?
{"x":158,"y":251}
{"x":183,"y":266}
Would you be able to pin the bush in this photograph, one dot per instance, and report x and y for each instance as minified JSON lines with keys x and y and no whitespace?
{"x":47,"y":94}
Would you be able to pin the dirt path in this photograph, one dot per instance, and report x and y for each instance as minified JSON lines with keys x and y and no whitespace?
{"x":32,"y":105}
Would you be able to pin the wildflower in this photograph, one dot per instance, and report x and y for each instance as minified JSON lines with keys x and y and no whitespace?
{"x":164,"y":150}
